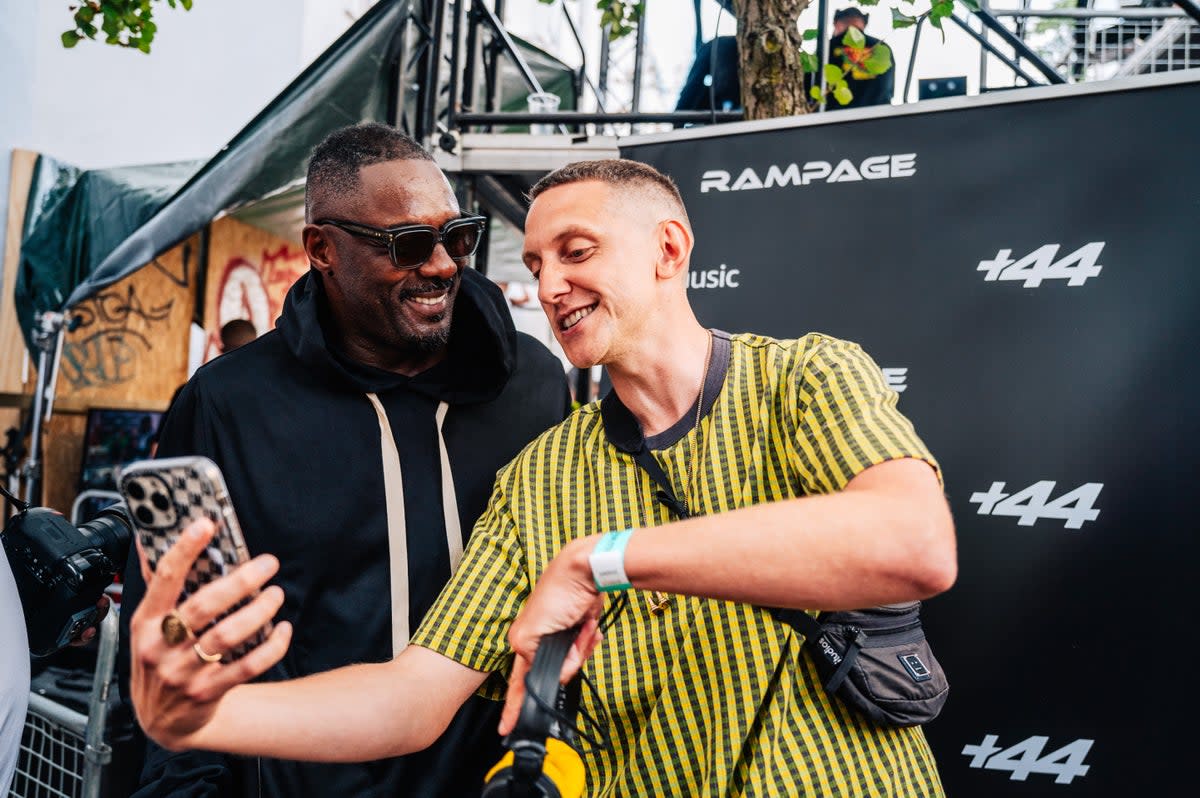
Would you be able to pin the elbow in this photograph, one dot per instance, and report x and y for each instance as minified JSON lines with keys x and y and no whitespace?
{"x":935,"y":557}
{"x":939,"y":577}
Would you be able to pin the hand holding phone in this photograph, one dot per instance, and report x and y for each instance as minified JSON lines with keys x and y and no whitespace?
{"x":176,"y":690}
{"x":163,"y":498}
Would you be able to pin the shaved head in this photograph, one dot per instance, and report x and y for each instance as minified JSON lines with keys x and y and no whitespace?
{"x":626,"y":178}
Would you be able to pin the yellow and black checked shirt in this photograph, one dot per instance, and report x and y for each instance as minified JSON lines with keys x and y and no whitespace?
{"x":710,"y":698}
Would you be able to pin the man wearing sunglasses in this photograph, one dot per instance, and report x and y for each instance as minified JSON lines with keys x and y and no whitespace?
{"x":360,"y":440}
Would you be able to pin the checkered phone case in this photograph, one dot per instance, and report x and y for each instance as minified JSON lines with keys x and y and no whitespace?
{"x":163,"y":497}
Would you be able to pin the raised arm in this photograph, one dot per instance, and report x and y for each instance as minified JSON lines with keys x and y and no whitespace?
{"x":351,"y":714}
{"x":887,"y":537}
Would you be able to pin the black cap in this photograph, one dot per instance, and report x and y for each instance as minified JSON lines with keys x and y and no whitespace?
{"x":848,"y":13}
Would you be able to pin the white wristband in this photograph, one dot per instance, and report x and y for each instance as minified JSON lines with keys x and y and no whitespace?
{"x":608,"y":562}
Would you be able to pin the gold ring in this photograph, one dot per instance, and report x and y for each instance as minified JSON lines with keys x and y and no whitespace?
{"x":204,"y":655}
{"x":175,"y":629}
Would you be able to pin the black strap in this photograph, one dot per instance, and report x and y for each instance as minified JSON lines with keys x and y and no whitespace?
{"x":625,"y":433}
{"x":664,"y":494}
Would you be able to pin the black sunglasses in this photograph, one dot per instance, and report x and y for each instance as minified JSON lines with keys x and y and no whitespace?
{"x":411,"y":245}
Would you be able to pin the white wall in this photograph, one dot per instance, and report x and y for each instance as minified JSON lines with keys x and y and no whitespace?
{"x":210,"y":71}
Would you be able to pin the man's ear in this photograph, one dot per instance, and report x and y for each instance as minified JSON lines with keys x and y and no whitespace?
{"x":675,"y":249}
{"x":318,"y":248}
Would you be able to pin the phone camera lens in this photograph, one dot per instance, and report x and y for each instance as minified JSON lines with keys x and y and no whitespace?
{"x":160,"y":501}
{"x":145,"y":515}
{"x":136,"y":490}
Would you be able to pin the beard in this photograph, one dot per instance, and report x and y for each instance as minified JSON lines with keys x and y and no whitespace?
{"x":427,"y":342}
{"x":430,"y":342}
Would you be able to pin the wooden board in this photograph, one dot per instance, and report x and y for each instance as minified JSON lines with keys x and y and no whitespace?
{"x":61,"y":458}
{"x":249,"y":274}
{"x":12,"y":345}
{"x":131,"y":347}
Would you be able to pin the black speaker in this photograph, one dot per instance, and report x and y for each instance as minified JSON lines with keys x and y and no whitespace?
{"x":931,"y":88}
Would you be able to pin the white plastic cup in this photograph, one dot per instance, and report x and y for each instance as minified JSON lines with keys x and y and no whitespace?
{"x":541,"y":102}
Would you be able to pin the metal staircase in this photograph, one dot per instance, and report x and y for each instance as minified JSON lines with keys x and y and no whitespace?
{"x":1076,"y":41}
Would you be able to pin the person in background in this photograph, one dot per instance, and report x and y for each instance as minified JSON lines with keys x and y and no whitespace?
{"x":360,"y":440}
{"x":236,"y":333}
{"x":233,"y":334}
{"x":867,"y":87}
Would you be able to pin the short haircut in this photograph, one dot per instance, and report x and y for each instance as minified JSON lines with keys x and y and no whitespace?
{"x":848,"y":14}
{"x":333,"y":167}
{"x":616,"y":172}
{"x":237,"y":332}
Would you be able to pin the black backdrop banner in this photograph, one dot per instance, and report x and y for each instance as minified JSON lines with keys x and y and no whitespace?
{"x":1023,"y":267}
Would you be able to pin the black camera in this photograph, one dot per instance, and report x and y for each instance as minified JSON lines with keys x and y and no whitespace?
{"x":61,"y":570}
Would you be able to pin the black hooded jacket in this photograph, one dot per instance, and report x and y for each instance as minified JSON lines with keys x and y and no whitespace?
{"x":289,"y":422}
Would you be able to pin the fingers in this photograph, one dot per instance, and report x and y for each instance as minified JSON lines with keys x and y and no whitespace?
{"x":215,"y":598}
{"x":89,"y":634}
{"x":586,"y":642}
{"x":243,"y":624}
{"x":220,"y":679}
{"x":102,"y":608}
{"x":165,"y":585}
{"x":516,"y":695}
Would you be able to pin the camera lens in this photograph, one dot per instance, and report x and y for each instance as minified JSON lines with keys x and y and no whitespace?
{"x":136,"y":490}
{"x":145,"y":515}
{"x":109,"y":532}
{"x":160,"y":502}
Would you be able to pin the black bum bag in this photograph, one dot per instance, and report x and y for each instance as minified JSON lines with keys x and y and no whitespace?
{"x":876,"y":660}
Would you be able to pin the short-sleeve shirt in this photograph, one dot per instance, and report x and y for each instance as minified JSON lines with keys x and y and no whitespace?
{"x":710,"y":697}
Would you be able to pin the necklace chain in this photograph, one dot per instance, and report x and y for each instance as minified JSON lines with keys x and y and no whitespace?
{"x":661,"y":600}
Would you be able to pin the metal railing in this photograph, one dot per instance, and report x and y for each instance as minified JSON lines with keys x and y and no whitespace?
{"x":1087,"y":44}
{"x":63,"y":753}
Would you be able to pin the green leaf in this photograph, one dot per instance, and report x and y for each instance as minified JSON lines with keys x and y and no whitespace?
{"x":833,"y":73}
{"x":808,"y":62}
{"x":902,"y":20}
{"x":815,"y":93}
{"x":70,"y":39}
{"x":854,"y":37}
{"x":187,"y":5}
{"x":940,"y":10}
{"x":809,"y":34}
{"x":843,"y":94}
{"x":879,"y":60}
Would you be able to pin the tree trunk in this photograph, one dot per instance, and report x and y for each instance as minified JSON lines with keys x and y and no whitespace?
{"x":769,"y":57}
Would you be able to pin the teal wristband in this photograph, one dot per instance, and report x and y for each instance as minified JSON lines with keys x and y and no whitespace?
{"x":608,"y":562}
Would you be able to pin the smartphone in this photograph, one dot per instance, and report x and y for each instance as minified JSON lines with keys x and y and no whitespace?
{"x":163,"y":497}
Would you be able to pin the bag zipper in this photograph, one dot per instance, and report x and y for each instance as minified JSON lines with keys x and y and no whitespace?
{"x":881,"y":638}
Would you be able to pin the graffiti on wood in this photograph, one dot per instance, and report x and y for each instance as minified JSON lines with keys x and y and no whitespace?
{"x":114,"y":328}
